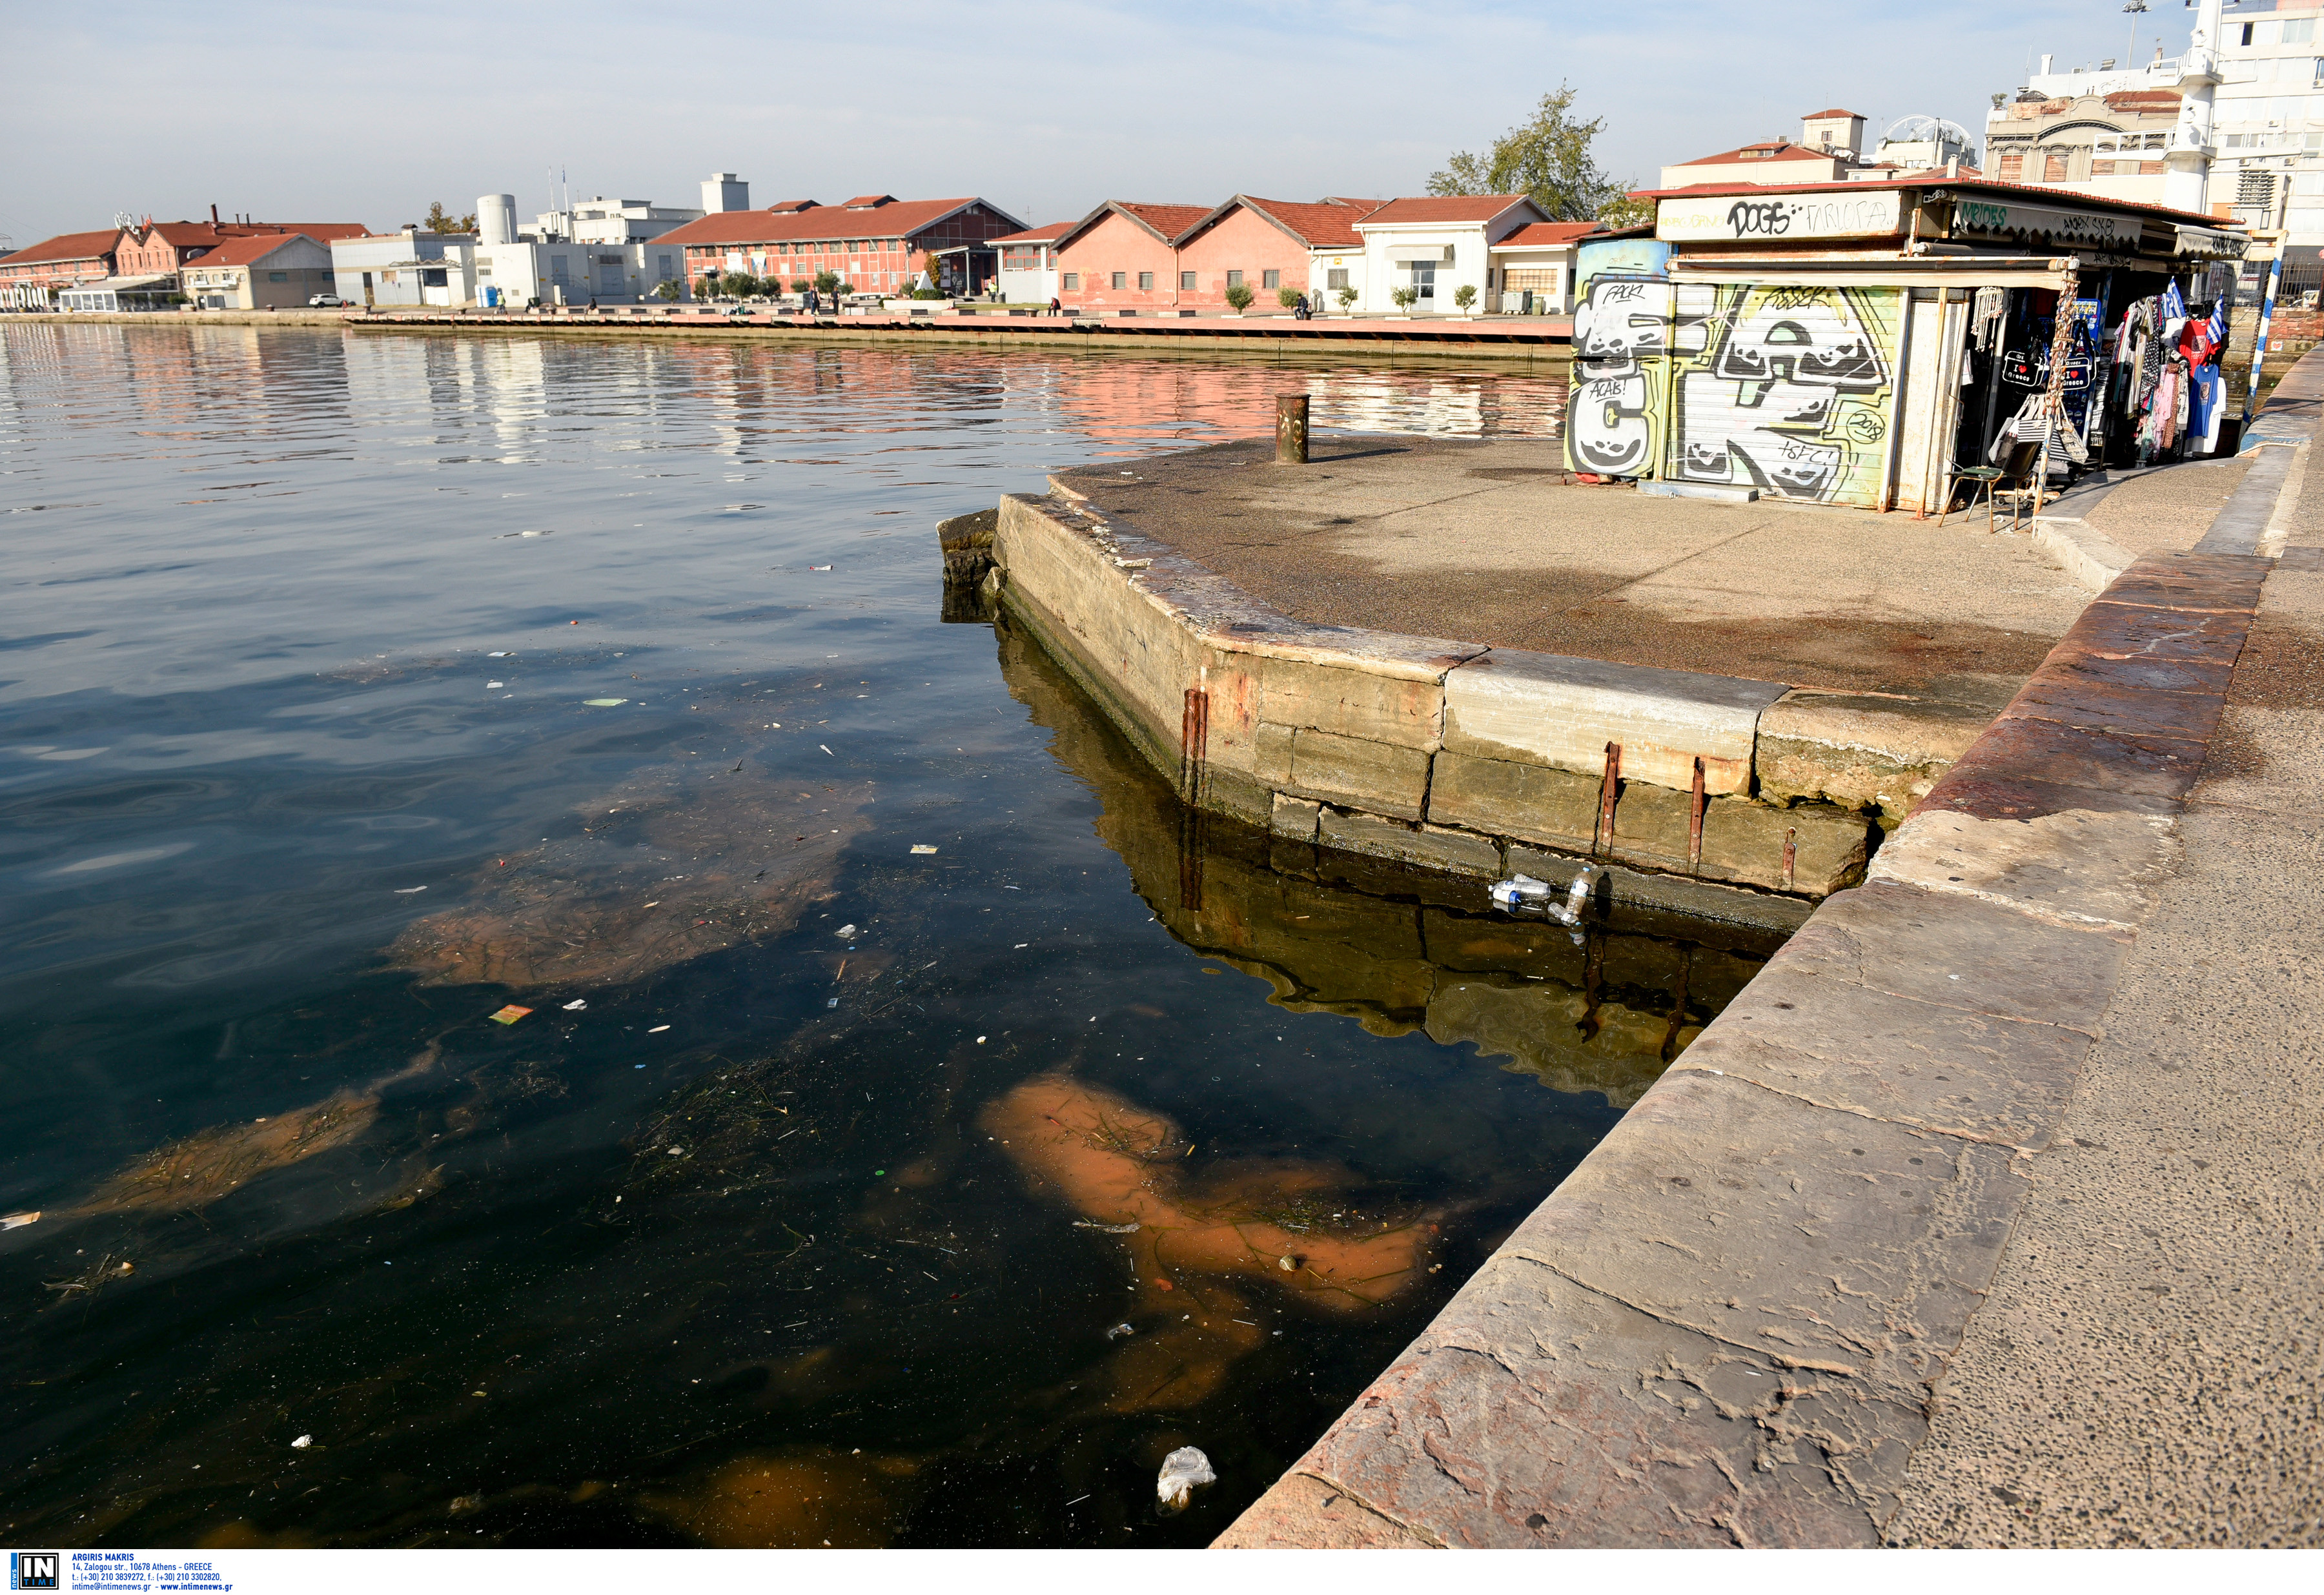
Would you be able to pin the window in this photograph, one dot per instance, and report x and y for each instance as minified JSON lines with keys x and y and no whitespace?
{"x":1336,"y":278}
{"x":2246,"y":38}
{"x":664,"y":268}
{"x":1073,"y":282}
{"x":1536,"y":279}
{"x":2053,"y":166}
{"x":1234,"y":279}
{"x":1186,"y":283}
{"x":278,"y":276}
{"x":1119,"y":280}
{"x":1146,"y":281}
{"x":1270,"y":279}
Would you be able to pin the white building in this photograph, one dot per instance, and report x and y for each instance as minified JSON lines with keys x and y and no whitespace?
{"x":406,"y":268}
{"x":2247,"y":142}
{"x":1029,"y":263}
{"x":1434,"y":246}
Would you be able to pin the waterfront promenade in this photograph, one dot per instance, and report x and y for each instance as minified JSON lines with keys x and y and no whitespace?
{"x":1984,"y":1216}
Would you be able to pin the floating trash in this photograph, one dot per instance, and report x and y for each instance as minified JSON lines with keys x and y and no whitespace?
{"x":657,"y":1030}
{"x":408,"y":890}
{"x":302,"y":1443}
{"x":1106,"y":1229}
{"x":510,"y":1015}
{"x":922,"y":847}
{"x":604,"y":702}
{"x":1182,"y":1471}
{"x":577,"y":1005}
{"x":17,"y":1221}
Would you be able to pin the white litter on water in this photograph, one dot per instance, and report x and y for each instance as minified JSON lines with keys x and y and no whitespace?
{"x":1105,"y":1228}
{"x":408,"y":890}
{"x":922,"y":847}
{"x":302,"y":1443}
{"x":657,"y":1030}
{"x":604,"y":702}
{"x":577,"y":1005}
{"x":17,"y":1221}
{"x":1182,"y":1471}
{"x":490,"y":685}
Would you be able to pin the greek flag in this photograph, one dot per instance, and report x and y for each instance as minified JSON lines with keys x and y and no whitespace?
{"x":2174,"y":303}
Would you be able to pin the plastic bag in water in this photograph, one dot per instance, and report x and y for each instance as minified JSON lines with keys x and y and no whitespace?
{"x":1182,"y":1469}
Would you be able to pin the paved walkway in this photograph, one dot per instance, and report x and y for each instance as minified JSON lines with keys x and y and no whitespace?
{"x":2148,"y":1367}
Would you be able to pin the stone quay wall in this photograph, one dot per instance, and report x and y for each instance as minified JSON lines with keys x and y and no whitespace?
{"x":1730,"y":799}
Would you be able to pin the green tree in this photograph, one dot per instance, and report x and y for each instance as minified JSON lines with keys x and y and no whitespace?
{"x":708,"y":287}
{"x":800,"y":285}
{"x":1464,"y":295}
{"x":667,"y":292}
{"x":1288,"y":297}
{"x":738,"y":285}
{"x":1238,"y":295}
{"x":440,"y":220}
{"x":1547,"y":159}
{"x":1626,"y":212}
{"x":826,"y":283}
{"x":1404,"y":298}
{"x":1348,"y":299}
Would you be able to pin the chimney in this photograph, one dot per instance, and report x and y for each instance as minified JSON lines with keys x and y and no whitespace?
{"x":214,"y":220}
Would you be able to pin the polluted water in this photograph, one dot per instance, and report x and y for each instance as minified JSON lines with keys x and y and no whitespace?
{"x":819,"y":1188}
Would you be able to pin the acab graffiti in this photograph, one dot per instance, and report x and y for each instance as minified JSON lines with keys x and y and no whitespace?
{"x":1783,"y":389}
{"x":1621,"y":332}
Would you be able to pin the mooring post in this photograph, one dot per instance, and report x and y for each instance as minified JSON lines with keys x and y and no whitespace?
{"x":1291,"y":429}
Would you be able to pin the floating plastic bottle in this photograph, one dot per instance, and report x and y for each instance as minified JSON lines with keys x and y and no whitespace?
{"x":1522,"y":894}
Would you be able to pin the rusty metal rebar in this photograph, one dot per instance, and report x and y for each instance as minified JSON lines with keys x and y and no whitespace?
{"x":1694,"y":825}
{"x":1601,"y":838}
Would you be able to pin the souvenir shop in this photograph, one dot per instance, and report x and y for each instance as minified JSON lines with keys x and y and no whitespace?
{"x":2136,"y":369}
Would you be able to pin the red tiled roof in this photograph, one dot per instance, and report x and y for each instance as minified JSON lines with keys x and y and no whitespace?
{"x":1035,"y":234}
{"x":1826,"y":115}
{"x":1772,"y":150}
{"x":786,"y":207}
{"x":868,"y":201}
{"x":1168,"y":222}
{"x":1446,"y":207}
{"x":66,"y":247}
{"x":900,"y":219}
{"x":1312,"y":224}
{"x":1536,"y":235}
{"x":251,"y":248}
{"x":208,"y":234}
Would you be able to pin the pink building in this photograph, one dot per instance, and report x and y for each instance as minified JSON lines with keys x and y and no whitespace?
{"x":1182,"y":259}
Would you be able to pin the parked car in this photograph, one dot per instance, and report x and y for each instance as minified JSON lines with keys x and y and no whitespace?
{"x":328,"y":301}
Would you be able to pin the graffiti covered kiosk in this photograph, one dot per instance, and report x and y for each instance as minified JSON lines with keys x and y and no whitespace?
{"x":1830,"y":343}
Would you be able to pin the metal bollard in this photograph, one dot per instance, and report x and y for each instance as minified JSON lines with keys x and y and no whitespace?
{"x":1291,"y":429}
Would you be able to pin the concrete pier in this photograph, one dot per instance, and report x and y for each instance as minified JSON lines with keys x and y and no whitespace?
{"x":1577,"y":723}
{"x":1984,"y":1214}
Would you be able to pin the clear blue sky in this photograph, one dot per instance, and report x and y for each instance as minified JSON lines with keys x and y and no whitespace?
{"x":321,"y":112}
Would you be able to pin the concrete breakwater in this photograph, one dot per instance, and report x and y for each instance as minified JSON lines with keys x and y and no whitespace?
{"x":1716,"y":795}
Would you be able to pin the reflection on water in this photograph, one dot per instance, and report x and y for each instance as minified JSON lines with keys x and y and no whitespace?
{"x":1398,"y":951}
{"x":797,"y":1206}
